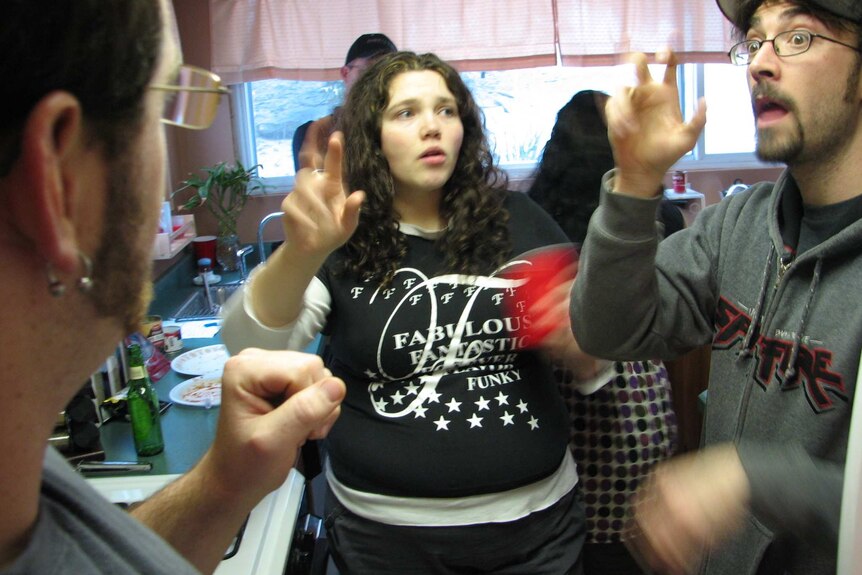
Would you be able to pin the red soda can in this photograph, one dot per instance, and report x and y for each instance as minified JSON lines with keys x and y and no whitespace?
{"x":679,"y":183}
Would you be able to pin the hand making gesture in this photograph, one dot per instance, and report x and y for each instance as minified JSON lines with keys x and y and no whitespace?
{"x":319,"y":215}
{"x":646,"y":128}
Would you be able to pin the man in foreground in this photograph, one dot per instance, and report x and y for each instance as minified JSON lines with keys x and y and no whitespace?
{"x":82,"y":156}
{"x":767,"y":276}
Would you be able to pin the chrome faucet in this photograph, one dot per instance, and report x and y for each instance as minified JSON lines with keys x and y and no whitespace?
{"x":260,"y":227}
{"x":243,"y":265}
{"x":204,"y":268}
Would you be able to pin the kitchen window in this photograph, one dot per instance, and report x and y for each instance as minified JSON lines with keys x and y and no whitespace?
{"x":520,"y":108}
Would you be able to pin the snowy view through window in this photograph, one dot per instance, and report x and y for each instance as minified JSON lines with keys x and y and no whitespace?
{"x":520,"y":108}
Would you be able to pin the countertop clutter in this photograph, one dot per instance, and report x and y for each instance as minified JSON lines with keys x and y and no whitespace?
{"x":262,"y":547}
{"x":265,"y":544}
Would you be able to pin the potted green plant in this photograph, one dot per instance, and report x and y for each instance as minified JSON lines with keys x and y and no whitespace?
{"x":223,"y":190}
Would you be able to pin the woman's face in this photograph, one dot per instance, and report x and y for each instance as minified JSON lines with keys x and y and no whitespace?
{"x":421,"y":132}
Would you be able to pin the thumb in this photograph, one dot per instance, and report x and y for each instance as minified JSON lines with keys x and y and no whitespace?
{"x":311,"y":412}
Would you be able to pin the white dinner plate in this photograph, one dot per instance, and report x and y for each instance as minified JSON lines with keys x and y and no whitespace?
{"x":201,"y":361}
{"x":200,"y":391}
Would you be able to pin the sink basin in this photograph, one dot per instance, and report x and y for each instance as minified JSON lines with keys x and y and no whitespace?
{"x":197,"y":307}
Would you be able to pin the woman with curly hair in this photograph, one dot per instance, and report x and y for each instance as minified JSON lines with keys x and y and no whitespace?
{"x":450,"y":454}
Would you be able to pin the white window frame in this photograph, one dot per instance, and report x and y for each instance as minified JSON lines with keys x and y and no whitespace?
{"x":691,"y":84}
{"x":691,"y":89}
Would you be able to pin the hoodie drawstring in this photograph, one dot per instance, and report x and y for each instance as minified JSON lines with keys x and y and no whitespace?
{"x":790,"y":373}
{"x":755,"y":314}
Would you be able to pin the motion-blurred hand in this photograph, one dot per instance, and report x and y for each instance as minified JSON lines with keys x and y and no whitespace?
{"x":687,"y":505}
{"x":542,"y":301}
{"x":551,"y":317}
{"x":646,"y":128}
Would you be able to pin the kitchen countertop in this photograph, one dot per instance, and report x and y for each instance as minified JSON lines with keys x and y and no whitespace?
{"x":188,"y":431}
{"x":263,"y":545}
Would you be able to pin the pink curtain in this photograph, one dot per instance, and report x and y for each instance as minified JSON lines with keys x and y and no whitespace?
{"x":601,"y":31}
{"x":308,"y":39}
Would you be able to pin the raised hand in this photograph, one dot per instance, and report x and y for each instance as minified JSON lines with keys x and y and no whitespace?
{"x":319,"y":215}
{"x":646,"y":128}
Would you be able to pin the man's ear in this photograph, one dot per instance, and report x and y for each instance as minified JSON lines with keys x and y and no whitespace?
{"x":345,"y":70}
{"x":40,"y":188}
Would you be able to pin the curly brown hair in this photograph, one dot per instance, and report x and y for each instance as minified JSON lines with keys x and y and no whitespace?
{"x":476,"y":239}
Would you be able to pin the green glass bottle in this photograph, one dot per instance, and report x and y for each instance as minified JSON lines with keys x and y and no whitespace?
{"x":143,"y":404}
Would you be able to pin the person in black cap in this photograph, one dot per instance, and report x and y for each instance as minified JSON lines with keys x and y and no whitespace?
{"x":767,"y":277}
{"x":310,"y":139}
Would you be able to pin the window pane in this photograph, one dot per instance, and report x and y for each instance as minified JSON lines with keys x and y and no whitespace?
{"x":520,"y":108}
{"x":278,"y":108}
{"x":730,"y":121}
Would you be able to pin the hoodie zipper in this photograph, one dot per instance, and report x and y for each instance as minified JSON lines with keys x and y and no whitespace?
{"x":783,"y":264}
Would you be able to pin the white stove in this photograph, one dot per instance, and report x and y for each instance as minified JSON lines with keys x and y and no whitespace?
{"x":262,"y":546}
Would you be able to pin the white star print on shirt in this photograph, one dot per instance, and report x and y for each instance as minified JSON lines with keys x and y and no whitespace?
{"x":412,"y":389}
{"x":442,"y":424}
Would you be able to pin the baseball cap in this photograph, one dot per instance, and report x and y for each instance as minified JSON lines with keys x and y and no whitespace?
{"x":848,"y":9}
{"x":368,"y":46}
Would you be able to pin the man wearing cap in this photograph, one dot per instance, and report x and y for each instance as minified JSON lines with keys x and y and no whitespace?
{"x":769,"y":277}
{"x":311,"y":138}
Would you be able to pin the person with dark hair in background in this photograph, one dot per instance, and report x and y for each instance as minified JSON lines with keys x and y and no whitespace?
{"x":769,"y":276}
{"x":619,"y":431}
{"x":568,"y":180}
{"x":311,"y":138}
{"x":82,"y":177}
{"x":451,"y":453}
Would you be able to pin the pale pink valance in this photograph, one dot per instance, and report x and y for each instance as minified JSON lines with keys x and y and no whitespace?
{"x":600,"y":31}
{"x":308,"y":39}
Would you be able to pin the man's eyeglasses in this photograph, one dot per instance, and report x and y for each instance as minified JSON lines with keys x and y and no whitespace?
{"x":194,"y":99}
{"x":789,"y":43}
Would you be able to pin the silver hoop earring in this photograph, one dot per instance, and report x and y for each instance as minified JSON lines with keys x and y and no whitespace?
{"x":57,"y":288}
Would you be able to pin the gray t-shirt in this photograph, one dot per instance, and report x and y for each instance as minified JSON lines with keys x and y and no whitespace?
{"x":79,"y":531}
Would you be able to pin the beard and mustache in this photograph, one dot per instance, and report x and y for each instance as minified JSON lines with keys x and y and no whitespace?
{"x":828,"y":131}
{"x":122,"y":266}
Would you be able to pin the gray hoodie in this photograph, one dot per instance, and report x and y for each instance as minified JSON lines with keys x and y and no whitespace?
{"x":785,"y":333}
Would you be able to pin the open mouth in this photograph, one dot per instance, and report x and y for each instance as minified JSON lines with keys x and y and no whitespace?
{"x":434,"y":156}
{"x":768,"y":110}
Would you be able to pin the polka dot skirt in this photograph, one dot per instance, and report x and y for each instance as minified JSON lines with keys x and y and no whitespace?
{"x":618,"y":433}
